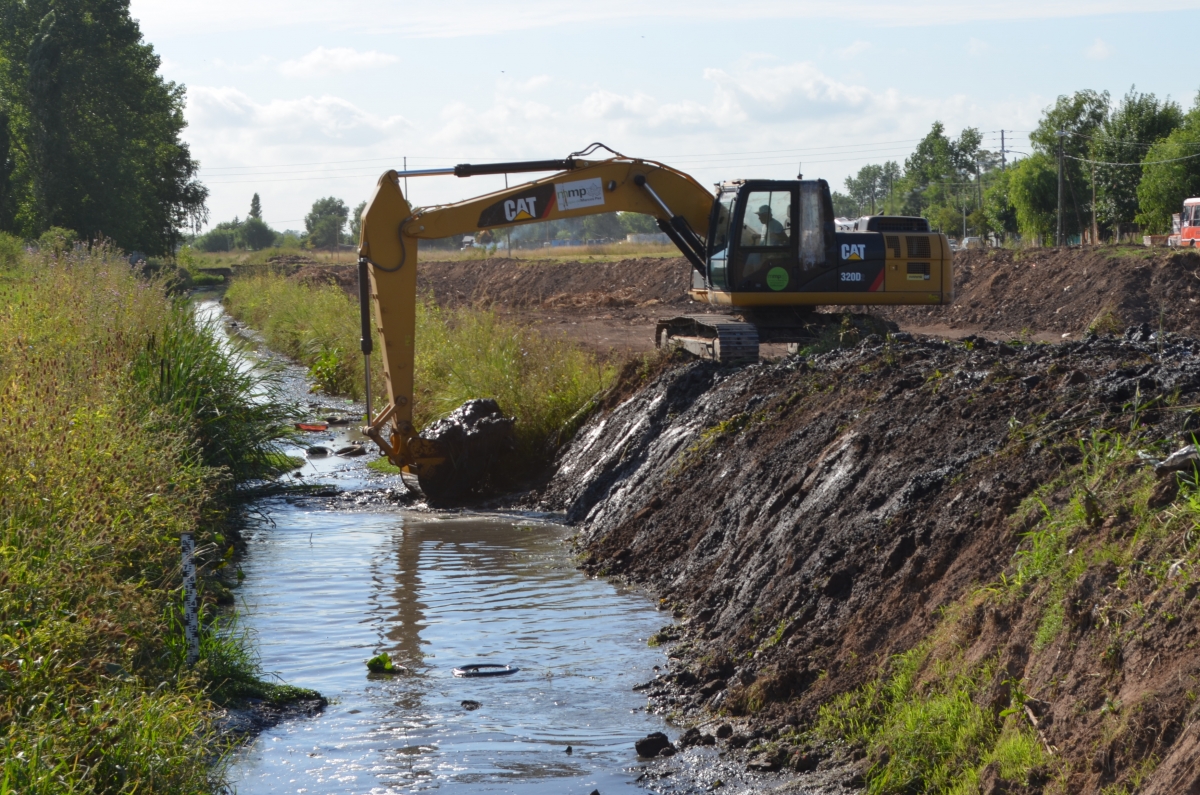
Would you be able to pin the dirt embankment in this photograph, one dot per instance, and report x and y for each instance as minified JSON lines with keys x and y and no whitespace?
{"x":1044,"y":293}
{"x":812,"y":517}
{"x":1065,"y":291}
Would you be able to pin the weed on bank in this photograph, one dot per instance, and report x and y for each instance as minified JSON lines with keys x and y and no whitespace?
{"x":122,"y":425}
{"x":543,"y":380}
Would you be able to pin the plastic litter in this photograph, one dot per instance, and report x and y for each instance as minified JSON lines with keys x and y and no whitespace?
{"x":485,"y":669}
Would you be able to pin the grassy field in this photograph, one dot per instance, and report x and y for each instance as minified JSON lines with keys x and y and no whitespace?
{"x":543,"y":380}
{"x":122,"y":425}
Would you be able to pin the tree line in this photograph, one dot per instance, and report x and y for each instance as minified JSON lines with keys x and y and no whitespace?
{"x":89,"y":131}
{"x":330,"y":223}
{"x":1126,"y":168}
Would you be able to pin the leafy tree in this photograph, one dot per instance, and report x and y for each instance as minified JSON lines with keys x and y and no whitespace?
{"x":998,"y":209}
{"x":93,"y":132}
{"x":254,"y":234}
{"x":222,"y":237}
{"x":638,"y":224}
{"x":356,"y":223}
{"x":1138,"y":122}
{"x":844,"y":206}
{"x":1080,"y":116}
{"x":326,"y":222}
{"x":1033,"y":191}
{"x":602,"y":226}
{"x":866,"y":188}
{"x":256,"y":207}
{"x":1164,"y":185}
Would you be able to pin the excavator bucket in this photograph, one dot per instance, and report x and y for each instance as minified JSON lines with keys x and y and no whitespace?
{"x":470,"y":441}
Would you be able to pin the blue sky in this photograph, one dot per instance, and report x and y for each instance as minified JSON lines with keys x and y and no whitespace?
{"x":303,"y":99}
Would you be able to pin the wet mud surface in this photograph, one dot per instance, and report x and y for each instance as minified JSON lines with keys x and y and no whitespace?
{"x":811,"y":517}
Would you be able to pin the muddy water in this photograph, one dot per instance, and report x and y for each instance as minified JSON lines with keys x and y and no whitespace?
{"x":325,"y":589}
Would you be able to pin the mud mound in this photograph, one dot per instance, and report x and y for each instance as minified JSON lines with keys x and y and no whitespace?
{"x":526,"y":284}
{"x":1066,"y":291}
{"x":530,"y":284}
{"x":343,"y":276}
{"x":812,"y":517}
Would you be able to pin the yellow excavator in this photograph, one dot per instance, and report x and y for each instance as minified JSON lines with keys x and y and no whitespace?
{"x":769,"y":250}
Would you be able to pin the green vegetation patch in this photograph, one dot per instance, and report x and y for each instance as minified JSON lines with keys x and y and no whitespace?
{"x":543,"y":380}
{"x":925,"y":730}
{"x":122,"y":425}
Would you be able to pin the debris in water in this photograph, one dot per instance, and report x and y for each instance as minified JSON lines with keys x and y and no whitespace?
{"x":336,"y":420}
{"x":569,"y":749}
{"x":351,"y":450}
{"x":485,"y":669}
{"x":317,"y":451}
{"x":470,"y":705}
{"x":382,"y":664}
{"x":312,"y":426}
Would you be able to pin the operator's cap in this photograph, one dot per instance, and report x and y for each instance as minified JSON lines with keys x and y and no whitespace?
{"x":766,"y":208}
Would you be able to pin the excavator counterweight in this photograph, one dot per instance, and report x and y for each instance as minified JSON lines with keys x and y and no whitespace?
{"x":764,"y":251}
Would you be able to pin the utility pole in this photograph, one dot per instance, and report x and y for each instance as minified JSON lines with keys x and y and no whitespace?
{"x":1059,"y":238}
{"x":1003,"y":161}
{"x":1095,"y":229}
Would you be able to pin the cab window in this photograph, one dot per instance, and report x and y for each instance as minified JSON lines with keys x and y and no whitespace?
{"x":766,"y":245}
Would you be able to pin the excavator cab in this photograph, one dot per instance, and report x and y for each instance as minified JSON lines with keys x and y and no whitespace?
{"x":768,"y":236}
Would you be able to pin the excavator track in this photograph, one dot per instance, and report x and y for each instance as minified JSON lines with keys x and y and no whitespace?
{"x":717,"y":337}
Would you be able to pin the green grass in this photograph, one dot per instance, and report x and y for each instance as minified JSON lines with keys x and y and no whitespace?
{"x":113,"y":408}
{"x":545,"y":381}
{"x":924,"y":729}
{"x":922,"y":720}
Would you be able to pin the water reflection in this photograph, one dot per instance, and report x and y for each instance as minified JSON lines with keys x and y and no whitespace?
{"x":327,"y":589}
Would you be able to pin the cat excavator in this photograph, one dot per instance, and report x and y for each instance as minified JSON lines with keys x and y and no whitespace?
{"x":767,"y":250}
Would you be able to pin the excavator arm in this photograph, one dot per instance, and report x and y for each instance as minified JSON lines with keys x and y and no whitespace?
{"x":392,"y":230}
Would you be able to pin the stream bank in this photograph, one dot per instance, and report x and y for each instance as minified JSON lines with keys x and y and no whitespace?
{"x":983,"y":519}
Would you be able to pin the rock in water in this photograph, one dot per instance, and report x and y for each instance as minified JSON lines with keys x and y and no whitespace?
{"x":653,"y":744}
{"x":472,"y":437}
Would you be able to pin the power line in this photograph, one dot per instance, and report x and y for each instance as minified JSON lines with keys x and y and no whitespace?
{"x":797,"y":150}
{"x":1143,"y":163}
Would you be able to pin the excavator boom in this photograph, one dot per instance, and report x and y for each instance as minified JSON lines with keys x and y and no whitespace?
{"x":392,"y":230}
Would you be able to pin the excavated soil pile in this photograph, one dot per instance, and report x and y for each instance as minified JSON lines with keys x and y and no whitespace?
{"x":526,"y":284}
{"x":1067,"y":290}
{"x":809,"y":518}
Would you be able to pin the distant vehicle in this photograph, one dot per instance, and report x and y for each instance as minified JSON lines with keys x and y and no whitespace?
{"x":1185,"y":226}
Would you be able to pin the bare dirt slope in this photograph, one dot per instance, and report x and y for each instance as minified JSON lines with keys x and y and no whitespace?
{"x":1064,"y":291}
{"x":812,"y":517}
{"x":1042,"y":293}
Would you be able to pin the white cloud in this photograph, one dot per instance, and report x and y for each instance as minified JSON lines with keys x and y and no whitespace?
{"x":485,"y":17}
{"x":216,"y":112}
{"x":857,"y":47}
{"x":762,"y":117}
{"x":1099,"y":50}
{"x":330,"y":60}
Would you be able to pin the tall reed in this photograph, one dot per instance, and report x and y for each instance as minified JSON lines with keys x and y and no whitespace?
{"x":541,"y":379}
{"x":111,"y":410}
